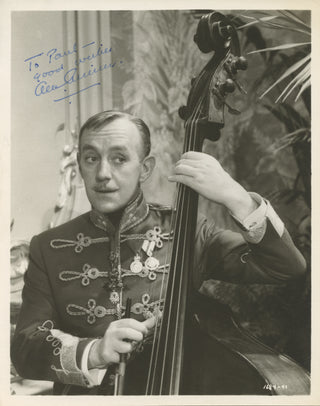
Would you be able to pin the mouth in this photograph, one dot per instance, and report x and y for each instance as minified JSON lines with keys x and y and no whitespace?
{"x":105,"y":190}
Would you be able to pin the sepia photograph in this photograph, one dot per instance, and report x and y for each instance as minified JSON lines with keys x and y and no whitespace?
{"x":160,"y":204}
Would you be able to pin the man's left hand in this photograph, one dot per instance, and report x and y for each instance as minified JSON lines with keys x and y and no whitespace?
{"x":204,"y":174}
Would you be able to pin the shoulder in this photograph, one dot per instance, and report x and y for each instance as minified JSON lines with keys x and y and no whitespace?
{"x":68,"y":229}
{"x":71,"y":234}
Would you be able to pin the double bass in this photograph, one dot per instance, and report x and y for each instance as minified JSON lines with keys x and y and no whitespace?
{"x":200,"y":348}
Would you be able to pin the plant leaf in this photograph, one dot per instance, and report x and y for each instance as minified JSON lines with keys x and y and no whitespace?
{"x":301,"y":76}
{"x":289,"y":116}
{"x":300,"y":82}
{"x":279,"y":47}
{"x":268,"y":23}
{"x":288,"y":72}
{"x":293,"y":17}
{"x":303,"y":87}
{"x":285,"y":27}
{"x":256,"y":21}
{"x":301,"y":134}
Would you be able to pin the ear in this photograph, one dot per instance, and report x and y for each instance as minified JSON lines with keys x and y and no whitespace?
{"x":148,"y":165}
{"x":78,"y":160}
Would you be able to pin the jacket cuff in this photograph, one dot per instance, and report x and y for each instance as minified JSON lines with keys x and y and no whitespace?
{"x":69,"y":373}
{"x":253,"y":227}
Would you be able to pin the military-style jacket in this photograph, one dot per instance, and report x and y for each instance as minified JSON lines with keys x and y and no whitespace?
{"x":81,"y":273}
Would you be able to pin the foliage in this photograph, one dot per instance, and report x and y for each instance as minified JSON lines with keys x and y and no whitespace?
{"x":287,"y":20}
{"x":287,"y":63}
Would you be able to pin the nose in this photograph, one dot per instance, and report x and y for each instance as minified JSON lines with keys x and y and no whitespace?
{"x":103,"y":171}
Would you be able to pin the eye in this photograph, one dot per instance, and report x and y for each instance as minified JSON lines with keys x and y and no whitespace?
{"x":119,"y":159}
{"x":91,"y":159}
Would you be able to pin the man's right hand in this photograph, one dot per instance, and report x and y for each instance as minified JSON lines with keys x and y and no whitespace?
{"x":118,"y":340}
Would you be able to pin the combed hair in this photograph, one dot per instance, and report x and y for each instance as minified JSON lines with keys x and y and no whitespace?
{"x":99,"y":120}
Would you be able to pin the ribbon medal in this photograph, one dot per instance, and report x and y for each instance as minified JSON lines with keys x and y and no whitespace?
{"x":136,"y":265}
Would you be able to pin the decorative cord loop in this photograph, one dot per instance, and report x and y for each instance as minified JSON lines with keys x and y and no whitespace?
{"x":151,"y":235}
{"x":81,"y":242}
{"x":147,"y":308}
{"x":55,"y":342}
{"x":46,"y":326}
{"x":89,"y":273}
{"x":93,"y":311}
{"x":243,"y":257}
{"x":145,"y":272}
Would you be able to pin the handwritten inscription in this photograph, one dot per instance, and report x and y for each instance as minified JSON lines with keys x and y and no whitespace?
{"x":51,"y":74}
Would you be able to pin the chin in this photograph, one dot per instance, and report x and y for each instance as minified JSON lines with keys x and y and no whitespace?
{"x":108,"y":208}
{"x":110,"y":203}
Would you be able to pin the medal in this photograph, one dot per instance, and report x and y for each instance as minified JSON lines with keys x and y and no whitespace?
{"x":148,"y":247}
{"x":151,"y":263}
{"x":114,"y":297}
{"x":145,"y":245}
{"x":136,"y":265}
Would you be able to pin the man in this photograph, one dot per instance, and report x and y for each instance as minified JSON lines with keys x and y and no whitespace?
{"x":71,"y":328}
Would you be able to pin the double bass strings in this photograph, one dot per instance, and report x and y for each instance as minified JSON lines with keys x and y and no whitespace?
{"x":179,"y":196}
{"x":163,"y":294}
{"x":186,"y":204}
{"x":182,"y":199}
{"x":155,"y":344}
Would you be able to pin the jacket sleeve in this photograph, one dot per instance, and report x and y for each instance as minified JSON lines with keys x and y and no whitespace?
{"x":39,"y":349}
{"x":238,"y":258}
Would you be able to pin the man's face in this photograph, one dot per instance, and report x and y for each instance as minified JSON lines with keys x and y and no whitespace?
{"x":111,"y":164}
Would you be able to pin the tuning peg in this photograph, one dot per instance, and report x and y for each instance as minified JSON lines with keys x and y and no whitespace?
{"x":233,"y":111}
{"x":225,"y":31}
{"x":183,"y":112}
{"x":227,"y":87}
{"x":220,"y":96}
{"x":239,"y":63}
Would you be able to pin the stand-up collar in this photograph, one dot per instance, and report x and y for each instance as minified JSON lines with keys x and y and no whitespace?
{"x":134,"y":213}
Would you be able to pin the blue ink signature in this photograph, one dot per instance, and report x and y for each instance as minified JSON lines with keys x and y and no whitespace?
{"x":53,"y":55}
{"x":49,"y":73}
{"x":71,"y":76}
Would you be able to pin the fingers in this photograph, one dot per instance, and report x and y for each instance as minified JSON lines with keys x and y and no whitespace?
{"x":126,"y":330}
{"x":125,"y":333}
{"x":123,"y":347}
{"x":199,"y":160}
{"x":193,"y":155}
{"x":186,"y":180}
{"x":195,"y":163}
{"x":121,"y":337}
{"x":198,"y":156}
{"x":130,"y":323}
{"x":186,"y":170}
{"x":150,"y":323}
